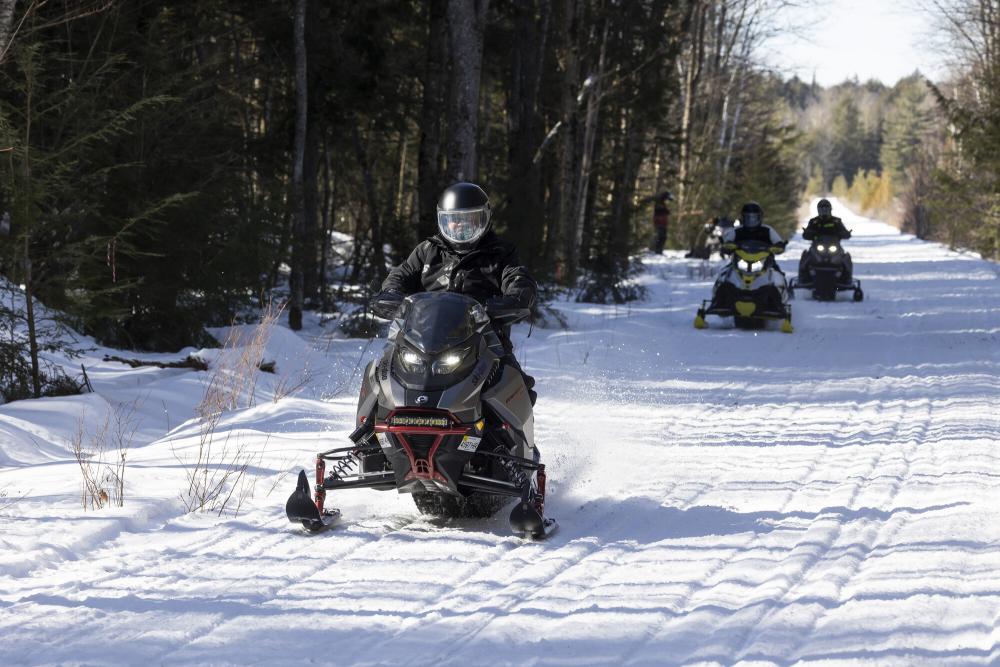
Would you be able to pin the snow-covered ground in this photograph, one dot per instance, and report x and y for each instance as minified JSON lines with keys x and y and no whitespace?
{"x":723,"y":496}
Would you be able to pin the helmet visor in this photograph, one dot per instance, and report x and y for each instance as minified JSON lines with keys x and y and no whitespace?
{"x":751,"y":219}
{"x":464,"y":226}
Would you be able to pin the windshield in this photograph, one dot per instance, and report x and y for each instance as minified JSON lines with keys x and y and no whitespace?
{"x":437,"y":321}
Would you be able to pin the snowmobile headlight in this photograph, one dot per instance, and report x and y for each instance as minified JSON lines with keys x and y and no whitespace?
{"x":821,"y":247}
{"x":412,"y":361}
{"x":742,"y":265}
{"x":757,"y":267}
{"x":833,"y":248}
{"x":449,"y":361}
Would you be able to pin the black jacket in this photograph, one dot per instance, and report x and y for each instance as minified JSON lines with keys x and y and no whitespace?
{"x":825,"y":225}
{"x":491,"y":270}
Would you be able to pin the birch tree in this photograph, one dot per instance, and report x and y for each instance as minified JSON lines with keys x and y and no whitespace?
{"x":296,"y":285}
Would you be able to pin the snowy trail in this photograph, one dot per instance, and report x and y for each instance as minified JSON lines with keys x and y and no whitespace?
{"x":723,"y":496}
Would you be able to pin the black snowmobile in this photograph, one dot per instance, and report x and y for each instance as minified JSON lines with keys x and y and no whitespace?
{"x":441,"y":417}
{"x":826,"y":269}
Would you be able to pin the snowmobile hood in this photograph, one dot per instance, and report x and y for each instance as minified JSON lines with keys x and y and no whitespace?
{"x":437,"y":321}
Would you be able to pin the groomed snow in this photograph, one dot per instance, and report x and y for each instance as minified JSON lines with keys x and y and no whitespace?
{"x":724,"y":496}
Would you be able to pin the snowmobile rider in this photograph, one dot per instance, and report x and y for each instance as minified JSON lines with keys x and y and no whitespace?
{"x":825,"y":224}
{"x":752,"y":228}
{"x":465,"y":256}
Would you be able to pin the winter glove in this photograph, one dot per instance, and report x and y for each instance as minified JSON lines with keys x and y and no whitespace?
{"x":386,"y":303}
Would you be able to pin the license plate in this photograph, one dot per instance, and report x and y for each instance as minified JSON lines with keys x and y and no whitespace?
{"x":470,"y":443}
{"x":384,"y":441}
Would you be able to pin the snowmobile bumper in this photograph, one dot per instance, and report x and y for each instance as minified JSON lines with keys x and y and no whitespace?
{"x":415,"y":457}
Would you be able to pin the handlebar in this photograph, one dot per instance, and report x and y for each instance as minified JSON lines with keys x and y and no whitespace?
{"x":508,"y":315}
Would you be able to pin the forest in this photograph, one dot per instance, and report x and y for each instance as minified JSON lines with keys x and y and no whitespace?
{"x":167,"y":166}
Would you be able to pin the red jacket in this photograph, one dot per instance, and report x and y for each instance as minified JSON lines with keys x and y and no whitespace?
{"x":661,"y":216}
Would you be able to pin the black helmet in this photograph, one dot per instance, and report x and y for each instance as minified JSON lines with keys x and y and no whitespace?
{"x":824,"y":207}
{"x":751,"y":215}
{"x":463,"y":215}
{"x":665,"y":197}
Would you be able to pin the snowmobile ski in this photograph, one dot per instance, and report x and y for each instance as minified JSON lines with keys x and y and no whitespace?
{"x":301,"y":508}
{"x":526,"y":522}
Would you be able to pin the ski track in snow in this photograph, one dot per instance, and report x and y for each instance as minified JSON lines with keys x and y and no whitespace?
{"x":723,"y":496}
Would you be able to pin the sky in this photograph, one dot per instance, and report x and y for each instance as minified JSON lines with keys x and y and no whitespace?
{"x":870,"y":39}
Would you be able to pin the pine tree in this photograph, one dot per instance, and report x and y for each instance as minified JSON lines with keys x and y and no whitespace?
{"x":848,"y":136}
{"x":906,"y":131}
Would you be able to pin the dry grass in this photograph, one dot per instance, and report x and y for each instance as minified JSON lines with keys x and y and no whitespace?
{"x":217,"y":476}
{"x":289,"y":385}
{"x":233,"y":380}
{"x":102,"y":455}
{"x":218,"y":479}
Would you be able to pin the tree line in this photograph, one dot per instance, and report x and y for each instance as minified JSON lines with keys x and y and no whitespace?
{"x":861,"y":141}
{"x":920,"y":152}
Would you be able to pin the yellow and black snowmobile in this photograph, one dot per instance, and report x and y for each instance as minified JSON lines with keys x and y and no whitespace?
{"x":751,"y":289}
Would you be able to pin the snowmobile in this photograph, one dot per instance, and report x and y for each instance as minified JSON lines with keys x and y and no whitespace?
{"x":826,"y":269}
{"x":442,"y":417}
{"x":751,"y":289}
{"x":709,"y":239}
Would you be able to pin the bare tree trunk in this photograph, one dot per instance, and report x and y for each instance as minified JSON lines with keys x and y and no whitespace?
{"x":524,"y":208}
{"x":562,"y":244}
{"x":401,"y":178}
{"x":326,"y":225}
{"x":29,"y":282}
{"x":378,"y":252}
{"x":296,"y":281}
{"x":692,"y":74}
{"x":310,"y":240}
{"x":392,"y":212}
{"x":624,"y":189}
{"x":466,"y":24}
{"x":29,"y":294}
{"x":583,"y":181}
{"x":429,"y":168}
